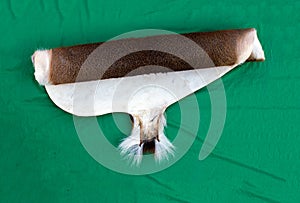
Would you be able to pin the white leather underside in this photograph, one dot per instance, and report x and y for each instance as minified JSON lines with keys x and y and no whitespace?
{"x":131,"y":94}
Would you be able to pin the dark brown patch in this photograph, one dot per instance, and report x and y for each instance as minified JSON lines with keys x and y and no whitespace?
{"x":221,"y":46}
{"x":131,"y":119}
{"x":127,"y":64}
{"x":149,"y":147}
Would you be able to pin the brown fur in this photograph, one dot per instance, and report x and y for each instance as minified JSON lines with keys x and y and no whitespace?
{"x":223,"y":48}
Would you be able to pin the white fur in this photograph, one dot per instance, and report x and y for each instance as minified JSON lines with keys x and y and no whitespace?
{"x":257,"y":52}
{"x":132,"y":150}
{"x":130,"y":147}
{"x":163,"y":148}
{"x":41,"y":61}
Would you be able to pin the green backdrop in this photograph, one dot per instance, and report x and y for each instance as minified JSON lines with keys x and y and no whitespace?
{"x":256,"y":160}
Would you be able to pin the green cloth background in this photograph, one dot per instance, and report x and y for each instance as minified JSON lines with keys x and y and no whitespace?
{"x":256,"y":160}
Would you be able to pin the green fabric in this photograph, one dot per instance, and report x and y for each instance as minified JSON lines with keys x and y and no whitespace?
{"x":256,"y":160}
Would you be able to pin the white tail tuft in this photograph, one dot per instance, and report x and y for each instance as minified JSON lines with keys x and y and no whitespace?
{"x":163,"y":147}
{"x":132,"y":147}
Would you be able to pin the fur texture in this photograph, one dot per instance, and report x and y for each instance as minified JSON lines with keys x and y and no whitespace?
{"x":132,"y":147}
{"x":42,"y":62}
{"x":224,"y":48}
